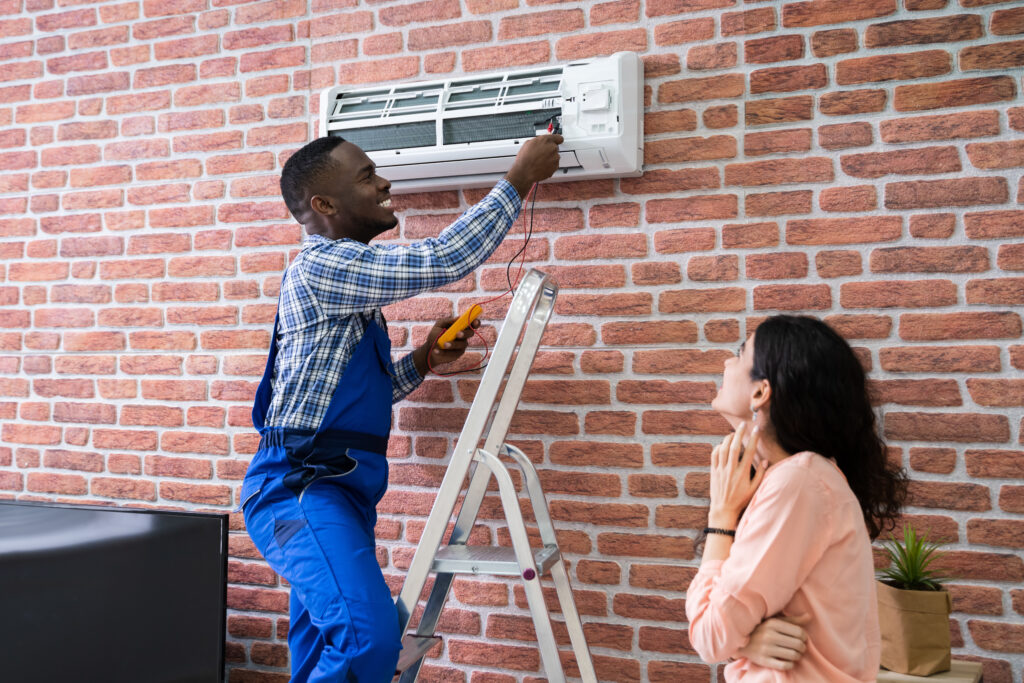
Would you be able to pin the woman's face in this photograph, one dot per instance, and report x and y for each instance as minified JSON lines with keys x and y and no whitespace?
{"x":736,"y":392}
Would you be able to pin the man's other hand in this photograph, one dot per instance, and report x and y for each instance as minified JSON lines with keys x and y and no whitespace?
{"x":452,"y":351}
{"x":536,"y":161}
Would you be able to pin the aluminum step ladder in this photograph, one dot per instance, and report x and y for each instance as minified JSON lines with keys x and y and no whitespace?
{"x":519,"y":338}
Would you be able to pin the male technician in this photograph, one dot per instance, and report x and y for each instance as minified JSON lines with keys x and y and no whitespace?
{"x":323,"y":408}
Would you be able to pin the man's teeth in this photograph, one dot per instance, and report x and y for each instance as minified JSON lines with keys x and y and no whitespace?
{"x":386,"y":203}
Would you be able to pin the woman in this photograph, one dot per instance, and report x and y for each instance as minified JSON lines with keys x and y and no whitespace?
{"x":793,"y":511}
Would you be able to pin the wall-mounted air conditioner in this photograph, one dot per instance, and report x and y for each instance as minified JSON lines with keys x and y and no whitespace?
{"x":465,"y":132}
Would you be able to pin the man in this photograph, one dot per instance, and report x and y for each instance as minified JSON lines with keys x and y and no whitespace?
{"x":323,"y":408}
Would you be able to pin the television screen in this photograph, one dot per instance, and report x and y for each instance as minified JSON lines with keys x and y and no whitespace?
{"x":110,"y":594}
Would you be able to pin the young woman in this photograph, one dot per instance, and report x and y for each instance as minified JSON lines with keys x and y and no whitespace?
{"x":797,"y":493}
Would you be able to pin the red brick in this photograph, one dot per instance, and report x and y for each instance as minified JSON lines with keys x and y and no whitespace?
{"x":957,"y":93}
{"x":968,"y":565}
{"x":718,"y":56}
{"x":843,"y":230}
{"x":819,"y":12}
{"x":792,"y":297}
{"x":645,"y":545}
{"x":778,"y":110}
{"x":942,"y":193}
{"x":685,"y":31}
{"x":994,"y":155}
{"x":776,"y":141}
{"x":664,"y":392}
{"x":954,"y":28}
{"x":713,"y":268}
{"x":932,"y":225}
{"x":539,"y":23}
{"x":1011,"y":257}
{"x":725,"y":116}
{"x":997,"y":636}
{"x":1000,"y":291}
{"x":936,"y":460}
{"x":915,"y":392}
{"x":941,"y":359}
{"x":915,"y":161}
{"x":427,"y":10}
{"x":66,"y":484}
{"x":959,"y":427}
{"x":995,"y":392}
{"x":690,"y":149}
{"x":994,"y":224}
{"x":705,"y":207}
{"x":776,"y":266}
{"x":750,"y":235}
{"x":1003,"y":55}
{"x":505,"y":56}
{"x":748,"y":22}
{"x":929,"y":327}
{"x":780,"y":171}
{"x":695,"y":89}
{"x":995,"y":463}
{"x":484,"y":654}
{"x":903,"y":66}
{"x":929,"y":260}
{"x":773,"y":49}
{"x":846,"y":102}
{"x":1007,"y":22}
{"x":833,"y":42}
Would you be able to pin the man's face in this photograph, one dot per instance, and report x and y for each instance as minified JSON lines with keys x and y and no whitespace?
{"x":359,"y":198}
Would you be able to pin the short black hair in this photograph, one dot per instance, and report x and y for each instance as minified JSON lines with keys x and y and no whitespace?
{"x":306,"y":168}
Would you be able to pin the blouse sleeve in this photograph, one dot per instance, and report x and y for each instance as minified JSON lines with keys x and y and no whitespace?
{"x":782,"y":535}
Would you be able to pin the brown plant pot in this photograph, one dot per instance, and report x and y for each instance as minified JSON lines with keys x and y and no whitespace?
{"x":915,"y":630}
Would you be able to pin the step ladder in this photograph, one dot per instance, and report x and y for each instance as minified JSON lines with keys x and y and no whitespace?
{"x":519,"y":338}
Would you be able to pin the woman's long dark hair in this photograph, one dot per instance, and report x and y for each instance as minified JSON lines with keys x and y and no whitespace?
{"x":819,"y":402}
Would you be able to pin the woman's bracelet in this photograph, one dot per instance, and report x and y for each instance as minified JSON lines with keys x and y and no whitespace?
{"x":713,"y":530}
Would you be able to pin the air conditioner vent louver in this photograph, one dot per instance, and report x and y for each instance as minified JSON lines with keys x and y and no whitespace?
{"x":456,"y":133}
{"x":394,"y":136}
{"x":511,"y":126}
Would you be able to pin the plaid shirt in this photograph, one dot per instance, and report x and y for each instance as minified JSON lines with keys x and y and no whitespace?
{"x":334,"y":288}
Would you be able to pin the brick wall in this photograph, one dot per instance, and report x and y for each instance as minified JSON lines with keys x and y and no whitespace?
{"x":859,"y":160}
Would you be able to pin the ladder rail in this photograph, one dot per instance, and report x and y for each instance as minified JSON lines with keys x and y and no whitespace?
{"x":531,"y":584}
{"x":517,"y":346}
{"x":530,"y":290}
{"x":559,"y":575}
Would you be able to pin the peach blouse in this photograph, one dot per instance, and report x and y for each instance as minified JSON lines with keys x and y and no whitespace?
{"x":801,"y":548}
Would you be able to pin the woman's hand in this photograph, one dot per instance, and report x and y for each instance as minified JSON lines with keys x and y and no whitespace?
{"x":777,"y":643}
{"x":731,"y":484}
{"x":452,"y":351}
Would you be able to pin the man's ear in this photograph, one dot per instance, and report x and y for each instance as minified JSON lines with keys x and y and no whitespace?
{"x":761,"y":395}
{"x":322,"y":205}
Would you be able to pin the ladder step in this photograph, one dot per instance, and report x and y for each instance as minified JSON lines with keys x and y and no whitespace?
{"x":414,"y":648}
{"x":486,"y":559}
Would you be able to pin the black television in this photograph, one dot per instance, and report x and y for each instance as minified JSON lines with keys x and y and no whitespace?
{"x":111,"y":594}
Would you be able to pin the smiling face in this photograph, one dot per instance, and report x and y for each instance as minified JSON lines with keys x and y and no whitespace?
{"x":738,"y":391}
{"x":353,"y":201}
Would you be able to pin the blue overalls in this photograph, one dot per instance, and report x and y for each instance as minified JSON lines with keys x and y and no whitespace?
{"x":309,"y":500}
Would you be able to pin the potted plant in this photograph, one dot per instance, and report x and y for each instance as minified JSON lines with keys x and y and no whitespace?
{"x":913,"y":608}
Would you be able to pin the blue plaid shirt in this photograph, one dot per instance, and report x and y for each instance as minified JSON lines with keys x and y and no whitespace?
{"x":334,"y":288}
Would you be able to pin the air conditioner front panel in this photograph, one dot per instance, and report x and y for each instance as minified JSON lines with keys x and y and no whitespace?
{"x":465,"y":132}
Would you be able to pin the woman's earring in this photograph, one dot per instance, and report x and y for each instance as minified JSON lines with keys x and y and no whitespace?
{"x":753,"y":411}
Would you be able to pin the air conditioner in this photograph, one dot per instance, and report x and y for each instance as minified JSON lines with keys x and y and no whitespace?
{"x":465,"y":132}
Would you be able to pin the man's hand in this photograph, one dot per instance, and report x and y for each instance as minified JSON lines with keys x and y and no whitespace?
{"x":452,"y":351}
{"x":777,"y":643}
{"x":537,"y":160}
